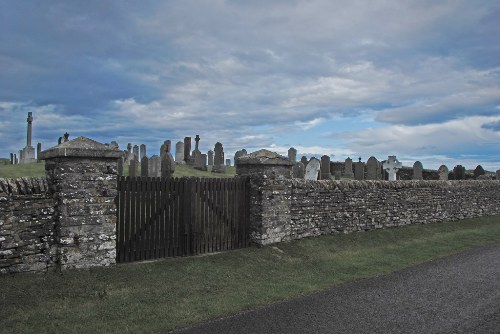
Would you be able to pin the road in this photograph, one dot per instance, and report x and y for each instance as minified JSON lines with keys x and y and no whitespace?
{"x":456,"y":294}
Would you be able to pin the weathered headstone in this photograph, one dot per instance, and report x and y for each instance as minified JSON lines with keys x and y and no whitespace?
{"x":210,"y":156}
{"x":312,"y":169}
{"x":119,"y":167}
{"x":27,"y":154}
{"x":168,"y":143}
{"x":498,"y":174}
{"x":167,"y":165}
{"x":417,"y":171}
{"x":298,"y":170}
{"x":135,"y":153}
{"x":304,"y":160}
{"x":59,"y":141}
{"x":239,"y":154}
{"x":142,"y":153}
{"x":66,"y":137}
{"x":479,"y":171}
{"x":179,"y":152}
{"x":197,"y":157}
{"x":359,"y":170}
{"x":38,"y":150}
{"x":459,"y":172}
{"x":443,"y":173}
{"x":373,"y":169}
{"x":16,"y":160}
{"x":132,"y":168}
{"x":348,"y":168}
{"x":12,"y":159}
{"x":144,"y":166}
{"x":292,"y":155}
{"x":219,"y":159}
{"x":187,"y":150}
{"x":392,"y":166}
{"x":154,"y":168}
{"x":325,"y":168}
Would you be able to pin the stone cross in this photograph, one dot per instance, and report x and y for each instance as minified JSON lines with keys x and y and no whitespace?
{"x":197,"y":143}
{"x":392,"y":166}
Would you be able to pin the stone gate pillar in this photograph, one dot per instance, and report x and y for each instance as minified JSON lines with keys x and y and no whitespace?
{"x":270,"y":195}
{"x":82,"y":176}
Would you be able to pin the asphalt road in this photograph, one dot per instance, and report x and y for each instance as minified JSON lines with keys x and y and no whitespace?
{"x":456,"y":294}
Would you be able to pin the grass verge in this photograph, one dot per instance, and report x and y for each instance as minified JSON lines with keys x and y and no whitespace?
{"x":159,"y":296}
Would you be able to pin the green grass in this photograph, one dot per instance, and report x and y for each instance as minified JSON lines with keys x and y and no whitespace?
{"x":38,"y":169}
{"x":159,"y":296}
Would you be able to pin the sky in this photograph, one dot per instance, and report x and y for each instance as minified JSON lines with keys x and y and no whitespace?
{"x":415,"y":79}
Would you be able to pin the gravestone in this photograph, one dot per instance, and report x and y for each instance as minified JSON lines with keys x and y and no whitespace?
{"x":144,"y":166}
{"x":359,"y":171}
{"x":312,"y":169}
{"x":325,"y":168}
{"x":228,"y":162}
{"x":142,"y":151}
{"x":167,"y":165}
{"x":417,"y":171}
{"x":136,"y":152}
{"x":498,"y":174}
{"x":292,"y":155}
{"x":304,"y":160}
{"x":348,"y":168}
{"x":38,"y":150}
{"x":27,"y":154}
{"x":132,"y":168}
{"x":443,"y":173}
{"x":12,"y":159}
{"x":59,"y":141}
{"x":16,"y":161}
{"x":66,"y":137}
{"x":479,"y":171}
{"x":373,"y":169}
{"x":197,"y":158}
{"x":392,"y":166}
{"x":187,"y":150}
{"x":298,"y":170}
{"x":128,"y":154}
{"x":168,"y":143}
{"x":154,"y":168}
{"x":179,"y":152}
{"x":210,"y":156}
{"x":219,"y":159}
{"x":459,"y":172}
{"x":119,"y":166}
{"x":239,"y":154}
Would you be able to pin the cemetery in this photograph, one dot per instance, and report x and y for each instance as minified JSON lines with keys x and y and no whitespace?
{"x":86,"y":212}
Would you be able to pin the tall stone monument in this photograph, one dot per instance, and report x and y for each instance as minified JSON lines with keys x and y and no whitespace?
{"x":210,"y":156}
{"x":27,"y":154}
{"x":392,"y":166}
{"x":373,"y":169}
{"x":312,"y":169}
{"x":219,"y":166}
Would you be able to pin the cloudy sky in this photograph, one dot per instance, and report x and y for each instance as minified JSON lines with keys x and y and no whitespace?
{"x":416,"y":79}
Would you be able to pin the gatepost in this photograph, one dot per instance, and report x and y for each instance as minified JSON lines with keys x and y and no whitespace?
{"x":270,"y":195}
{"x":82,"y":176}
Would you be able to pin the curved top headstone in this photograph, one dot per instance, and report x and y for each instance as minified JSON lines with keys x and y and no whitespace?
{"x":81,"y":147}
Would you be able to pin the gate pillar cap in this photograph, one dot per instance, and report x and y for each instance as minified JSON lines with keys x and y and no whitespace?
{"x":81,"y":147}
{"x":264,"y":157}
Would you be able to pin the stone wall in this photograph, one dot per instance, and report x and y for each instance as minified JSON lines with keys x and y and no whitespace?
{"x":27,"y":234}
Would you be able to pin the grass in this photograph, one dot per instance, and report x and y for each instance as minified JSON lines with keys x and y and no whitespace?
{"x":38,"y":169}
{"x":163,"y":295}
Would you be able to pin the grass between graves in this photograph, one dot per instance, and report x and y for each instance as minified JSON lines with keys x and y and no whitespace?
{"x":159,"y":296}
{"x":38,"y":169}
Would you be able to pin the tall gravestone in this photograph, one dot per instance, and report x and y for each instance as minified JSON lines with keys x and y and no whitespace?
{"x":325,"y":168}
{"x":187,"y":150}
{"x":359,"y":170}
{"x":142,"y":153}
{"x":38,"y":151}
{"x":498,"y":174}
{"x":219,"y":166}
{"x":179,"y":152}
{"x":373,"y":169}
{"x":443,"y":173}
{"x":133,"y":168}
{"x":348,"y":168}
{"x":144,"y":166}
{"x":210,"y":157}
{"x":459,"y":172}
{"x":417,"y":171}
{"x":135,"y":153}
{"x":292,"y":155}
{"x":312,"y":169}
{"x":304,"y":160}
{"x":239,"y":154}
{"x":154,"y":166}
{"x":12,"y":162}
{"x":198,"y":162}
{"x":392,"y":166}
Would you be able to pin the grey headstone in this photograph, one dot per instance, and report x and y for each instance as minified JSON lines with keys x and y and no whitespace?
{"x":167,"y":165}
{"x":338,"y":175}
{"x":142,"y":153}
{"x":187,"y":150}
{"x":219,"y":159}
{"x":179,"y":152}
{"x":292,"y":155}
{"x":12,"y":159}
{"x":239,"y":154}
{"x":498,"y":174}
{"x":325,"y":168}
{"x":168,"y":144}
{"x":304,"y":160}
{"x":136,"y":152}
{"x":417,"y":171}
{"x":132,"y":168}
{"x":298,"y":170}
{"x":154,"y":168}
{"x":373,"y":171}
{"x":144,"y":166}
{"x":348,"y":168}
{"x":38,"y":150}
{"x":312,"y":169}
{"x":359,"y":170}
{"x":210,"y":156}
{"x":443,"y":172}
{"x":120,"y":167}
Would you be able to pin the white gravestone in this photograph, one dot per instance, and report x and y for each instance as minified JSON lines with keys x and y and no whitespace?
{"x":392,"y":166}
{"x":312,"y":169}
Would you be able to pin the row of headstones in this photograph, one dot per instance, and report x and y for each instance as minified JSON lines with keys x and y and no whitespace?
{"x":22,"y":157}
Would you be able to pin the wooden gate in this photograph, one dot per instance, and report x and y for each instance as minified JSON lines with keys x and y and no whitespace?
{"x":162,"y":217}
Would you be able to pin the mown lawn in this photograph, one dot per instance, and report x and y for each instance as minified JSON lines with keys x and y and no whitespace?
{"x":158,"y":296}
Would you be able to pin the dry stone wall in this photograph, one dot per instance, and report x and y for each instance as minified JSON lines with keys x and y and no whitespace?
{"x":324,"y":207}
{"x":27,"y":234}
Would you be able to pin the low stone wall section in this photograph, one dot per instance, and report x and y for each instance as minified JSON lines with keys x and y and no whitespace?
{"x":323,"y":207}
{"x":27,"y":236}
